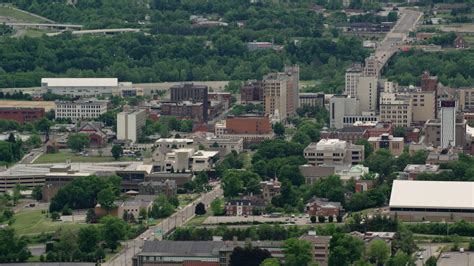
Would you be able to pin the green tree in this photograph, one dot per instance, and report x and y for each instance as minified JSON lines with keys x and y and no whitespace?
{"x":162,"y":208}
{"x":117,"y":151}
{"x":12,"y":249}
{"x":217,"y":206}
{"x":270,"y":262}
{"x":200,"y":209}
{"x":77,"y":142}
{"x":106,"y":198}
{"x":368,"y":148}
{"x":43,"y":125}
{"x":378,"y":252}
{"x":431,"y":261}
{"x":345,"y":249}
{"x":37,"y":193}
{"x":297,"y":252}
{"x":401,"y":258}
{"x":251,"y":256}
{"x":87,"y":238}
{"x":113,"y":230}
{"x":279,"y":129}
{"x":34,"y":141}
{"x":55,"y":216}
{"x":231,"y":184}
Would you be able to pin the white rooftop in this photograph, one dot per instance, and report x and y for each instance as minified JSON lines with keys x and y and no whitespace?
{"x":204,"y":154}
{"x":80,"y":82}
{"x":172,"y":140}
{"x":331,"y":144}
{"x":432,"y":194}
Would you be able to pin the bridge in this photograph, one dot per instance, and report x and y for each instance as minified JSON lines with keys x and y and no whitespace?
{"x":44,"y":26}
{"x":399,"y":33}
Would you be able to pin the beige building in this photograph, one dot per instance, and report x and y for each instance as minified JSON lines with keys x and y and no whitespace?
{"x":371,"y":68}
{"x":423,"y":106}
{"x":385,"y":141}
{"x":367,"y":93}
{"x":466,"y":99}
{"x":130,"y":125}
{"x":396,"y":108}
{"x":334,"y":152}
{"x":352,"y":75}
{"x":82,"y":109}
{"x":433,"y":134}
{"x":280,"y":93}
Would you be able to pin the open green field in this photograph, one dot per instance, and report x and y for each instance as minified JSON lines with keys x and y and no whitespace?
{"x":35,"y":222}
{"x":62,"y":156}
{"x":18,"y":15}
{"x":35,"y":33}
{"x":185,"y":199}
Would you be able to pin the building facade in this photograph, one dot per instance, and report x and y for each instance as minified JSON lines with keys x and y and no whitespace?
{"x":130,"y":125}
{"x":333,"y":152}
{"x":432,"y":130}
{"x":394,"y":144}
{"x":280,"y":93}
{"x":396,"y":109}
{"x":448,"y":123}
{"x":466,"y":99}
{"x":82,"y":109}
{"x":184,"y":110}
{"x":367,"y":93}
{"x":252,"y":91}
{"x":82,"y":87}
{"x":21,"y":115}
{"x":352,"y":75}
{"x":192,"y":93}
{"x":311,"y":99}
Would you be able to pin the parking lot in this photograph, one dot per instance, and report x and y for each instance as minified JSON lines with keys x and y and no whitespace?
{"x":457,"y":258}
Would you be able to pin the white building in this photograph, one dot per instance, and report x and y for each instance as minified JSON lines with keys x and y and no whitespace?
{"x":333,"y":152}
{"x":186,"y":159}
{"x":352,"y":75}
{"x":344,"y":111}
{"x":173,"y":143}
{"x":448,"y":123}
{"x":83,"y":87}
{"x":130,"y":125}
{"x":82,"y":109}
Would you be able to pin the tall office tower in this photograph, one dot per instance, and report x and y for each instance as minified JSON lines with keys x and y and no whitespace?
{"x":352,"y":74}
{"x":280,"y":93}
{"x":448,"y":123}
{"x":372,"y":65}
{"x":192,"y":93}
{"x":429,"y":83}
{"x":130,"y":124}
{"x":367,"y":93}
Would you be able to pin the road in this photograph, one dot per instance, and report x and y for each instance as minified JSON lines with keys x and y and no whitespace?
{"x":32,"y":156}
{"x":259,"y":218}
{"x":133,"y":246}
{"x":429,"y":250}
{"x":398,"y":34}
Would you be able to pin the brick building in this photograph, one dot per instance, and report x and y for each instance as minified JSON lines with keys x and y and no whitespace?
{"x":323,"y":207}
{"x":429,"y":83}
{"x":21,"y":115}
{"x":252,"y":91}
{"x":192,"y":93}
{"x":239,"y":207}
{"x":184,"y":110}
{"x":349,"y":134}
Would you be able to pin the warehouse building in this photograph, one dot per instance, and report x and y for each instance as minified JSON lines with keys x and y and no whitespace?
{"x":434,"y":201}
{"x":81,"y":87}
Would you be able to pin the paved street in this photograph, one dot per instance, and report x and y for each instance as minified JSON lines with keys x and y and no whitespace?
{"x":132,"y":247}
{"x":430,"y":250}
{"x":236,"y":219}
{"x":457,"y":258}
{"x":399,"y":33}
{"x":32,"y":156}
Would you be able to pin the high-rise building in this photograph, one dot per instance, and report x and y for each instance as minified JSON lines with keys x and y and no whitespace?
{"x":423,"y":106}
{"x":367,"y":93}
{"x":371,"y":68}
{"x":352,"y":74}
{"x":466,"y":99}
{"x":396,"y":108}
{"x":448,"y":123}
{"x":130,"y":124}
{"x":252,"y":91}
{"x":344,"y":111}
{"x":429,"y":83}
{"x":280,"y":93}
{"x":192,"y":93}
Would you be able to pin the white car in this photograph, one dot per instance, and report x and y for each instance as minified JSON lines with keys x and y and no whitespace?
{"x":445,"y":255}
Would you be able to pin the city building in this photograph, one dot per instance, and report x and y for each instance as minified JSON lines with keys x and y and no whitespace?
{"x":270,"y":189}
{"x":167,"y":187}
{"x":225,"y":97}
{"x":446,"y":155}
{"x":313,"y":173}
{"x":411,"y":171}
{"x":441,"y":201}
{"x":423,"y":106}
{"x":367,"y":93}
{"x":349,"y":134}
{"x":449,"y":130}
{"x":81,"y":109}
{"x":251,"y":128}
{"x":394,"y":144}
{"x":372,"y":66}
{"x":396,"y":109}
{"x":223,"y":145}
{"x":333,"y":152}
{"x":466,"y":99}
{"x":252,"y":91}
{"x":82,"y":87}
{"x":130,"y":207}
{"x":379,"y":129}
{"x":198,"y":253}
{"x":355,"y":172}
{"x":352,"y":75}
{"x":341,"y":106}
{"x":21,"y":115}
{"x":311,"y":99}
{"x":323,"y":207}
{"x":98,"y":138}
{"x":130,"y":124}
{"x":188,"y":159}
{"x":173,"y":143}
{"x":244,"y":207}
{"x":184,"y":110}
{"x":280,"y":93}
{"x":320,"y":247}
{"x":192,"y":93}
{"x":429,"y":83}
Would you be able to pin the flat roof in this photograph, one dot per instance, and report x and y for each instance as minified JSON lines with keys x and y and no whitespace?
{"x":46,"y":105}
{"x":80,"y":82}
{"x":432,"y":194}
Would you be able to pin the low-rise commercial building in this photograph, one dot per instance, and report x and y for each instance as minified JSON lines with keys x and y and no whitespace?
{"x":349,"y":134}
{"x":441,"y":201}
{"x":184,"y":110}
{"x":411,"y":171}
{"x":394,"y":144}
{"x":320,"y":247}
{"x":82,"y":109}
{"x":433,"y":132}
{"x":251,"y":128}
{"x":21,"y":115}
{"x":82,"y":87}
{"x":311,"y":99}
{"x":333,"y":152}
{"x":251,"y":91}
{"x":323,"y":207}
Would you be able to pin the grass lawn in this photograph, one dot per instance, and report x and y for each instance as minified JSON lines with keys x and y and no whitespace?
{"x":197,"y":220}
{"x":35,"y":222}
{"x":18,"y":15}
{"x":62,"y":156}
{"x":35,"y":33}
{"x":185,"y":199}
{"x":308,"y":83}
